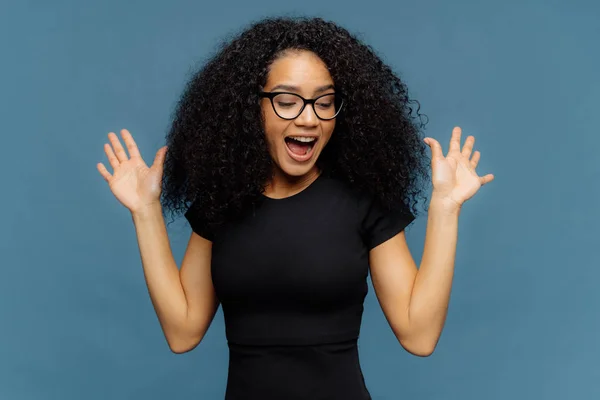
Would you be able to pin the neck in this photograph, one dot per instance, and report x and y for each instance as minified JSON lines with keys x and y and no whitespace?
{"x":282,"y":185}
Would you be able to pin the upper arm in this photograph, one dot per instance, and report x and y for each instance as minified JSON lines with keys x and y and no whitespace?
{"x":393,"y":273}
{"x":393,"y":270}
{"x":196,"y":279}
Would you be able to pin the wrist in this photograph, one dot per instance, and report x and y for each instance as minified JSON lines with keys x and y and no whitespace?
{"x":147,"y":210}
{"x":444,"y":205}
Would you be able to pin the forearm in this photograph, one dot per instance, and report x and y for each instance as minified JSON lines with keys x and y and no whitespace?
{"x":433,"y":283}
{"x":160,"y":271}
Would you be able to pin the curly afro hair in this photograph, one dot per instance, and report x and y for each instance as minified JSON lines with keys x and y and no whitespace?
{"x":218,"y":162}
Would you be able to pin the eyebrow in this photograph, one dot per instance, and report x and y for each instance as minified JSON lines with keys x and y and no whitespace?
{"x":292,"y":88}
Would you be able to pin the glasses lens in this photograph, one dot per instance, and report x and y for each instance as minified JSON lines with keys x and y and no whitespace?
{"x":287,"y":105}
{"x":326,"y":106}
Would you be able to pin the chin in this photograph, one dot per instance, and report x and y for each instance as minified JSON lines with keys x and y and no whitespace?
{"x":296,"y":170}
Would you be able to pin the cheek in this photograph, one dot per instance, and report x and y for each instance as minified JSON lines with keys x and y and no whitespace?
{"x":273,"y":127}
{"x":328,"y":128}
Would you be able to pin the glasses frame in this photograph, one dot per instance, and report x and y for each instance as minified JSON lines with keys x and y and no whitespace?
{"x":271,"y":96}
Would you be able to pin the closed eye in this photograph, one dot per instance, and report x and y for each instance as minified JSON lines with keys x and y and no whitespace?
{"x":282,"y":104}
{"x":325,"y":105}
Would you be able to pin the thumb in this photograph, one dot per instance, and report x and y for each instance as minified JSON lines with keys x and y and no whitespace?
{"x":435,"y":146}
{"x":159,"y":159}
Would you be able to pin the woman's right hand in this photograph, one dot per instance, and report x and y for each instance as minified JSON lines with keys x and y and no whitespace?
{"x":133,"y":183}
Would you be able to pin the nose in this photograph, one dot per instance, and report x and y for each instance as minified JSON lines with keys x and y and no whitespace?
{"x":307,"y":117}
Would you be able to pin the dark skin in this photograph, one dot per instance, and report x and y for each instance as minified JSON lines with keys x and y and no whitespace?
{"x":414,"y":300}
{"x":305,"y":74}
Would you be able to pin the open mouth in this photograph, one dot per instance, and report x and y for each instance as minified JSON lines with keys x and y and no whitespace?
{"x":300,"y":148}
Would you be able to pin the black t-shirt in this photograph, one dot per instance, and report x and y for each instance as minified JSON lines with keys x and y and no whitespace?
{"x":293,"y":271}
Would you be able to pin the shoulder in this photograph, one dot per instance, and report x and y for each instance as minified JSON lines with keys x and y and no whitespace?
{"x":377,"y":223}
{"x":197,"y":221}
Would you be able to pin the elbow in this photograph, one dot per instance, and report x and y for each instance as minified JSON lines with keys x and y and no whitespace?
{"x":419,"y":348}
{"x":178,"y":349}
{"x":181,"y":346}
{"x":422,"y":351}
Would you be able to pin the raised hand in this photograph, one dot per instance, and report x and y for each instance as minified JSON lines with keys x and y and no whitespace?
{"x":454,"y":177}
{"x":133,"y":183}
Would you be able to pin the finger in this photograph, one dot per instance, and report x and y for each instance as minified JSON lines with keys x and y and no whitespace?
{"x":130,"y":143}
{"x":435,"y":146}
{"x":468,"y":147}
{"x":112,"y":159}
{"x":455,"y":140}
{"x":475,"y":159}
{"x":486,"y":179}
{"x":118,"y":147}
{"x":159,"y":159}
{"x":104,"y":172}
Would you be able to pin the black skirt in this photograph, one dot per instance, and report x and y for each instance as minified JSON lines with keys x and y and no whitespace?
{"x":314,"y":372}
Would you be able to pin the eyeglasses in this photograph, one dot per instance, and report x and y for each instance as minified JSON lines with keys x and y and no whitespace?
{"x":290,"y":105}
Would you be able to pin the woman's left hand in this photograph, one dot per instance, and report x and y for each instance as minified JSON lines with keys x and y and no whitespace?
{"x":454,"y":177}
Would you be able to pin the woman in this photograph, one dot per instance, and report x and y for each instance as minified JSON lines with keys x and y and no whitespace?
{"x":297,"y":157}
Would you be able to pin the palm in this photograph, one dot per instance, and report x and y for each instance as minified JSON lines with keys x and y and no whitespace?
{"x":133,"y":183}
{"x":454,"y":176}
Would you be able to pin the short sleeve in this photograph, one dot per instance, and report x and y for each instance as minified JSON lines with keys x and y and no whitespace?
{"x":197,"y":224}
{"x":379,"y":225}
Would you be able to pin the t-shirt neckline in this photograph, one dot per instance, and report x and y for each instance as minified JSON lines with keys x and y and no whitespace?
{"x":295,"y":195}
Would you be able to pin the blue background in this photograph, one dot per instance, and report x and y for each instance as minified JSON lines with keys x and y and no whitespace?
{"x":522,"y":76}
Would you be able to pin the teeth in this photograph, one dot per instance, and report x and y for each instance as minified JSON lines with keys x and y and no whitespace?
{"x":303,"y":139}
